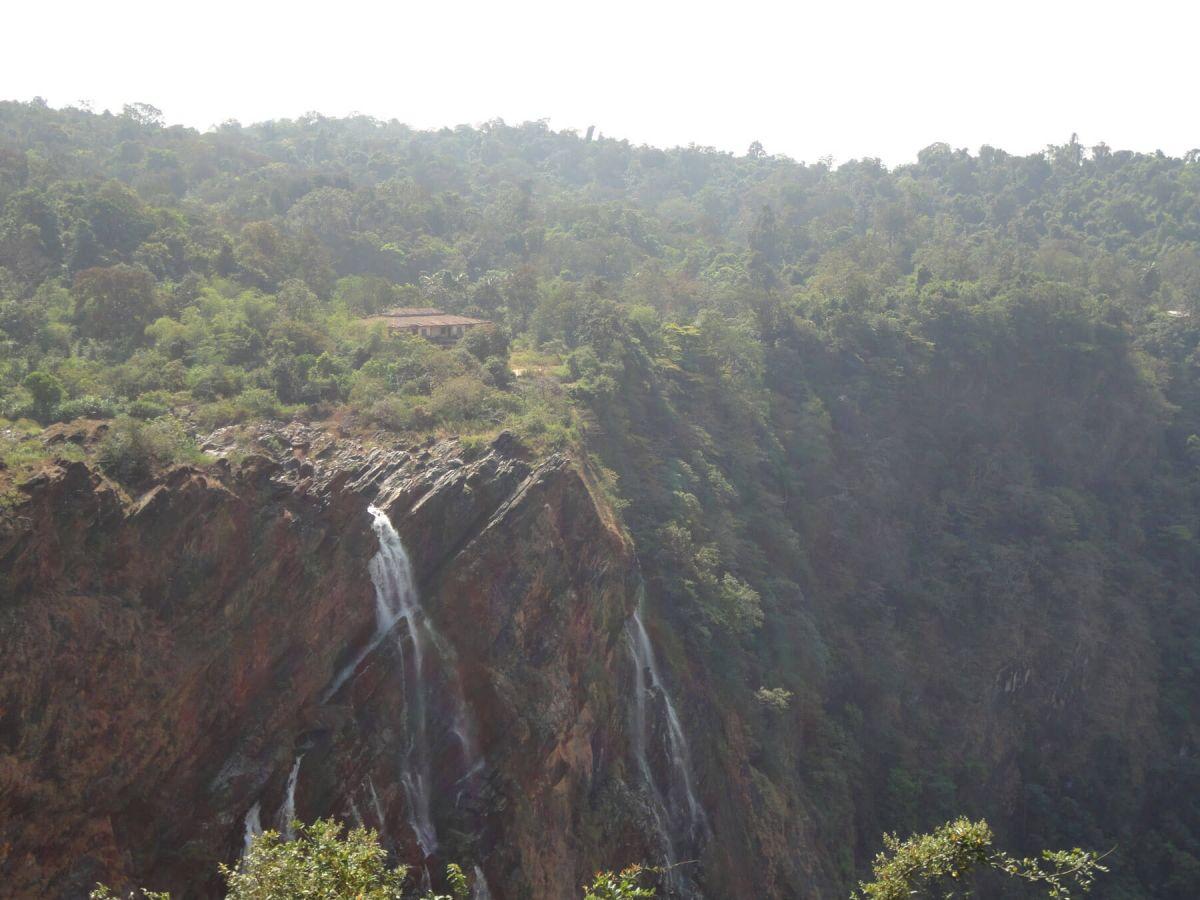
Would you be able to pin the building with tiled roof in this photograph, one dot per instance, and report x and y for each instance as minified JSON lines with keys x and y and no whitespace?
{"x":429,"y":323}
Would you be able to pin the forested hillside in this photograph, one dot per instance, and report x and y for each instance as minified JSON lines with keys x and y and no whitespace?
{"x":910,"y":457}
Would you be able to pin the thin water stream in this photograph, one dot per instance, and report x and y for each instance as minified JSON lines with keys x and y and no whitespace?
{"x":679,"y":818}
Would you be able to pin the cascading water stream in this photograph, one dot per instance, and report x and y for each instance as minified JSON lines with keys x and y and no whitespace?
{"x":480,"y":889}
{"x":253,"y":826}
{"x":398,"y":613}
{"x":380,"y":819}
{"x":287,"y":812}
{"x":396,"y":602}
{"x":674,"y":805}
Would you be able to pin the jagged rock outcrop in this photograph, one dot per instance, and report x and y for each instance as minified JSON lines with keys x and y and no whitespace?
{"x":169,"y":655}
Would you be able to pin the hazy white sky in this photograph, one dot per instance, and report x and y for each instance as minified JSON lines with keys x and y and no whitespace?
{"x":805,"y":79}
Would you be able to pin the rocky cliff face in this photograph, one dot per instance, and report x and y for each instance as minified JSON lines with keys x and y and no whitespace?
{"x":171,"y":658}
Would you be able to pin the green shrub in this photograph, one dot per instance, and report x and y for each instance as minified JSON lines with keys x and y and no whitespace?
{"x":497,"y":372}
{"x":482,"y":343}
{"x":399,"y":413}
{"x":103,"y":892}
{"x":88,"y":406}
{"x":259,"y":403}
{"x":940,"y":864}
{"x":320,"y":864}
{"x":623,"y":885}
{"x":19,"y":405}
{"x":133,"y":449}
{"x":147,"y":407}
{"x":466,"y":399}
{"x":45,"y":390}
{"x":775,"y":699}
{"x":214,"y":381}
{"x":545,"y":424}
{"x":462,"y":402}
{"x":21,"y":453}
{"x":323,"y":862}
{"x":250,"y":404}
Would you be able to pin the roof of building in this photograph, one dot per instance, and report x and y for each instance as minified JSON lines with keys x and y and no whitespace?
{"x":404,"y":311}
{"x":436,"y":318}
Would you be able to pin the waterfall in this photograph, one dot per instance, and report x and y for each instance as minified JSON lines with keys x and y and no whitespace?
{"x":395,"y":593}
{"x":253,"y":826}
{"x":396,"y":602}
{"x":480,"y":889}
{"x":398,"y":612}
{"x":377,"y":806}
{"x":399,"y":616}
{"x":676,"y":810}
{"x":287,"y":812}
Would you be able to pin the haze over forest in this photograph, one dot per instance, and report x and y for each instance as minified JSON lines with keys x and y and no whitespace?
{"x":874,"y":79}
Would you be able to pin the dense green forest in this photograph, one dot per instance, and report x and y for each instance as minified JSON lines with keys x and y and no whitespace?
{"x":904,"y":452}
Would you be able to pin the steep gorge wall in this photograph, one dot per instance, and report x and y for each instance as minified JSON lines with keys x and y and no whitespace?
{"x":167,"y":658}
{"x":977,"y":573}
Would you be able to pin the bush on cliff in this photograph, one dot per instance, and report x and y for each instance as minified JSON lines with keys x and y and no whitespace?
{"x":943,"y":863}
{"x":133,"y":449}
{"x":323,"y":862}
{"x":623,"y":885}
{"x":46,"y":391}
{"x":319,"y":863}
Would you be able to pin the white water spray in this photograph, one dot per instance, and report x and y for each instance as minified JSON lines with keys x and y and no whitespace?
{"x":395,"y":594}
{"x":398,"y":612}
{"x":287,"y":813}
{"x":253,"y":826}
{"x":377,"y":807}
{"x":396,"y":602}
{"x":480,"y":889}
{"x":399,"y":615}
{"x":674,"y":805}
